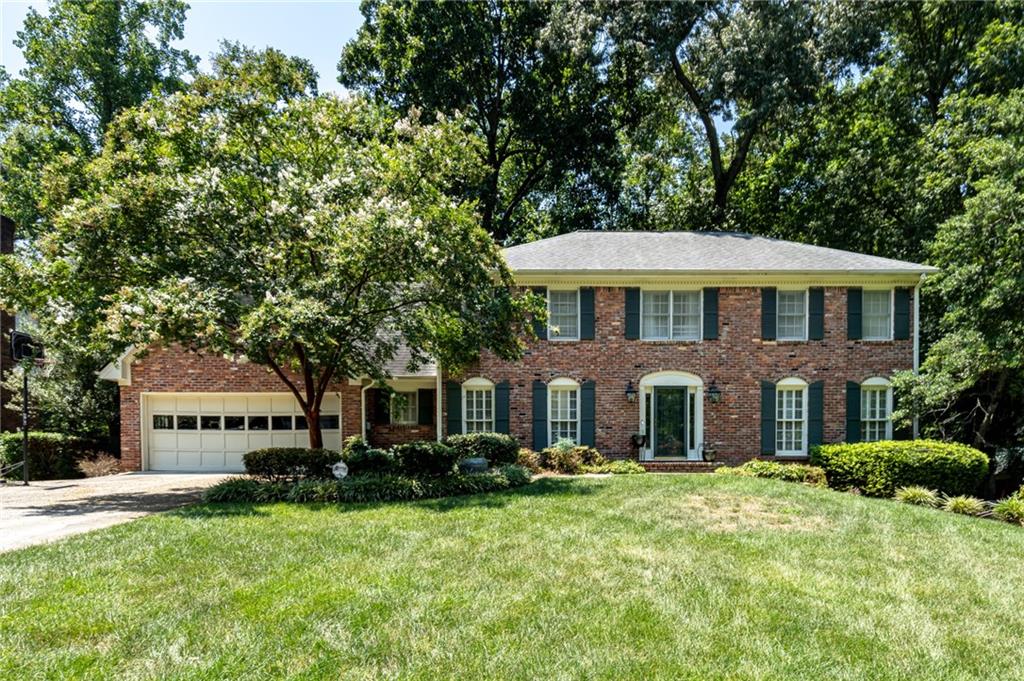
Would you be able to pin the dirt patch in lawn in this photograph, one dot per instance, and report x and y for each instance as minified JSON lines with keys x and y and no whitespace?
{"x":731,"y":513}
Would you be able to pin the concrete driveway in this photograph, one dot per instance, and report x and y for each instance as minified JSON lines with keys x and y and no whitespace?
{"x":52,"y":509}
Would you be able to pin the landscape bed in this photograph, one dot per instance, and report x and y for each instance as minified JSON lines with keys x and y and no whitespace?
{"x":644,"y":576}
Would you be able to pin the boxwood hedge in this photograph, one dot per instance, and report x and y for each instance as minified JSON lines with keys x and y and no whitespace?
{"x":498,"y":448}
{"x":879,"y":468}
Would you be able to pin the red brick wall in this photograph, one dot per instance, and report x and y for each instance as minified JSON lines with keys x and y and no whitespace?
{"x":381,"y":433}
{"x":175,"y":370}
{"x":738,"y":361}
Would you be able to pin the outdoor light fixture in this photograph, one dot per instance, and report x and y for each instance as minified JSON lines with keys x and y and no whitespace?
{"x":714,"y":394}
{"x":630,"y":392}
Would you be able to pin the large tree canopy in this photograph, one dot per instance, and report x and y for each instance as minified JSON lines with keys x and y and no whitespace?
{"x":540,"y":110}
{"x":310,"y":234}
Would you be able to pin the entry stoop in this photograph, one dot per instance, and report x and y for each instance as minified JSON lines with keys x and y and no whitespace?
{"x":680,"y":466}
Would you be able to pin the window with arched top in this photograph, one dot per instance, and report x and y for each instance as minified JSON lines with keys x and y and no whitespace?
{"x":477,"y":406}
{"x":791,"y":417}
{"x":563,"y":410}
{"x":875,"y":410}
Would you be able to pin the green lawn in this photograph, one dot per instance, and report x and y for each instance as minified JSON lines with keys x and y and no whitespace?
{"x":695,"y":576}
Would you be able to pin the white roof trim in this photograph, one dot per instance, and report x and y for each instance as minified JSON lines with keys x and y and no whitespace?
{"x":120,"y":370}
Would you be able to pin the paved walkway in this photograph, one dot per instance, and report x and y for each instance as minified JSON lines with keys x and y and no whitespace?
{"x":49,"y":510}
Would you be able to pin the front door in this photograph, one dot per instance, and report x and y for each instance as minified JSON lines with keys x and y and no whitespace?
{"x":670,"y":421}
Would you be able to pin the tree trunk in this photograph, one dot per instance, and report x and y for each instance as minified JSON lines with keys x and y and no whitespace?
{"x":316,"y":436}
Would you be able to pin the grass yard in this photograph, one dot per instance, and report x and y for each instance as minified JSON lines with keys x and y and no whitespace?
{"x":682,"y":577}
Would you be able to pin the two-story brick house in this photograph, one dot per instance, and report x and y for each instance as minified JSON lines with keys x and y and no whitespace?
{"x":662,"y":346}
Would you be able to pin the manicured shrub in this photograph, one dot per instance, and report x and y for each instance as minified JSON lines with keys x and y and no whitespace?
{"x":246,"y":490}
{"x":290,"y":463}
{"x":498,"y":448}
{"x":51,"y":456}
{"x":590,"y":456}
{"x":964,"y":505}
{"x":529,"y":459}
{"x":425,"y":459}
{"x":362,"y":459}
{"x":563,"y":457}
{"x":879,"y":468}
{"x":618,"y":467}
{"x":99,"y":465}
{"x":918,"y":496}
{"x":517,"y":476}
{"x":788,"y":472}
{"x":1010,"y":509}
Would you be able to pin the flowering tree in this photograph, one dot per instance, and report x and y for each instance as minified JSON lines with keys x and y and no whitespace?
{"x":311,"y":234}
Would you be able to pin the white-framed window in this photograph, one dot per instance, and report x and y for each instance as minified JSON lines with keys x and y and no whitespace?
{"x":875,"y":410}
{"x":670,"y":315}
{"x":404,"y":409}
{"x":876,"y":314}
{"x":563,"y":314}
{"x":790,"y":417}
{"x":791,"y":315}
{"x":563,"y":410}
{"x":477,"y":406}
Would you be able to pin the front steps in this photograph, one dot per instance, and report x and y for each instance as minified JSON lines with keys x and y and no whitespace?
{"x":680,"y":466}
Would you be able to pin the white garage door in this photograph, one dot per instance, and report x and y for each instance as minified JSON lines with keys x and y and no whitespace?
{"x":187,"y":432}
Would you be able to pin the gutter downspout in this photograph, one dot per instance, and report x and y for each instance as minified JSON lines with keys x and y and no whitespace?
{"x":362,"y":411}
{"x":437,"y":404}
{"x":917,"y":338}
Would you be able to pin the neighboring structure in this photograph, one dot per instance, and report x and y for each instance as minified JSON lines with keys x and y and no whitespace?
{"x":9,"y":419}
{"x":663,"y":346}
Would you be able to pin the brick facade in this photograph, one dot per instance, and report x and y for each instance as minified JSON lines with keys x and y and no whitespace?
{"x":737,"y":362}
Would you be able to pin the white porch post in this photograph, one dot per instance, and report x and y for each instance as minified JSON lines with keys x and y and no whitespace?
{"x":917,"y":337}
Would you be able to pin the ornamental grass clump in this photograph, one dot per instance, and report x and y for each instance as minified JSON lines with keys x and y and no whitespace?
{"x":1010,"y":509}
{"x":917,"y":495}
{"x":964,"y":505}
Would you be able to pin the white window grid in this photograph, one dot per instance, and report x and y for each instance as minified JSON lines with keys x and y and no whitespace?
{"x":791,"y":315}
{"x":790,"y":420}
{"x":563,"y":315}
{"x":670,"y":315}
{"x":563,"y":414}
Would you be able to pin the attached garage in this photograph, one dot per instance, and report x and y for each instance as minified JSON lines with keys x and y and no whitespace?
{"x":212,"y":431}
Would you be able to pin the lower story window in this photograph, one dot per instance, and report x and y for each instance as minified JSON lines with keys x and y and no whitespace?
{"x":404,"y":408}
{"x":875,"y":423}
{"x":479,"y":410}
{"x":563,"y":404}
{"x":790,"y":425}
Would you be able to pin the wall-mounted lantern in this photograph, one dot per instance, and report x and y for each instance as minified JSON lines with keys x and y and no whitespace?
{"x":630,"y":392}
{"x":714,"y":393}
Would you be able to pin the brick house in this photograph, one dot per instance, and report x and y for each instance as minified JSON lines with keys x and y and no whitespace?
{"x":667,"y":347}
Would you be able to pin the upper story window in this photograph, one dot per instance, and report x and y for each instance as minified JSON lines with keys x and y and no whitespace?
{"x":876,"y":318}
{"x":792,"y":315}
{"x":670,"y":315}
{"x":564,"y":315}
{"x":791,"y":417}
{"x":875,"y":410}
{"x":404,"y":408}
{"x":563,"y":410}
{"x":478,"y":406}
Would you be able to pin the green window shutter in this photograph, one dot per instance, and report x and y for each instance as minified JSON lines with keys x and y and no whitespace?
{"x":382,"y":407}
{"x":588,"y":411}
{"x":816,"y":316}
{"x":852,"y":411}
{"x":453,"y":392}
{"x":501,"y":407}
{"x":710,"y":313}
{"x":632,"y":313}
{"x":425,"y":406}
{"x":540,"y":415}
{"x":767,"y":418}
{"x":854,"y":304}
{"x":815,"y":414}
{"x":901,"y":314}
{"x":540,"y":325}
{"x":586,"y":314}
{"x":768,"y":314}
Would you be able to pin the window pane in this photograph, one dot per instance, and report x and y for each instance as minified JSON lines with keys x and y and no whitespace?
{"x":686,"y":315}
{"x":876,"y":313}
{"x":234,"y":423}
{"x":404,"y":408}
{"x":479,"y":410}
{"x":791,"y":312}
{"x":258,"y":422}
{"x":187,"y":422}
{"x":163,"y":422}
{"x":874,"y":414}
{"x":209,"y":422}
{"x":563,"y":413}
{"x":789,"y":424}
{"x":655,"y":314}
{"x":300,"y":423}
{"x":329,"y":421}
{"x":280,"y":422}
{"x":563,"y":307}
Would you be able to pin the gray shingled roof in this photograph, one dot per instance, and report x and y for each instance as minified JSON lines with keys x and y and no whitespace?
{"x":692,"y":252}
{"x":398,"y":367}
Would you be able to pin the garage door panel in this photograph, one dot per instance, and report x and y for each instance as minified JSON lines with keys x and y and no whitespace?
{"x":211,"y":405}
{"x":162,"y":404}
{"x":283,"y":404}
{"x":332,"y":440}
{"x":234,"y":404}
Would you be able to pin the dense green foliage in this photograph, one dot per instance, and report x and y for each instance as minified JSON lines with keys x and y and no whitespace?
{"x":363,"y":459}
{"x":790,"y":472}
{"x":1010,"y":509}
{"x":368,"y":488}
{"x":620,"y":567}
{"x":278,"y":464}
{"x":614,"y":467}
{"x":498,"y":448}
{"x":879,"y":468}
{"x":426,"y":458}
{"x":51,"y":456}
